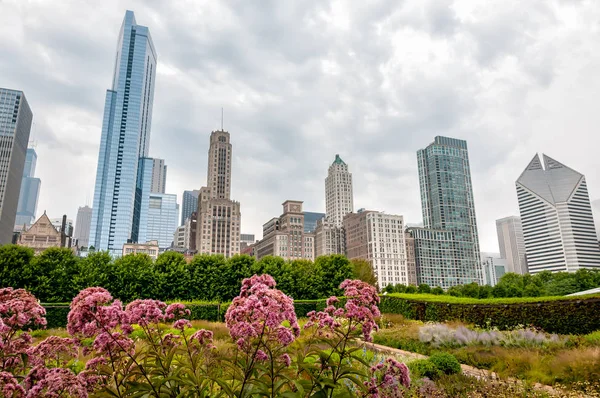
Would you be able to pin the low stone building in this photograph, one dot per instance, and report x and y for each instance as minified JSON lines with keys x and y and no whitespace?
{"x":43,"y":235}
{"x":150,"y":248}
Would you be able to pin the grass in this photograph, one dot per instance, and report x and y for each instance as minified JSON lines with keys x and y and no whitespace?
{"x":467,"y":300}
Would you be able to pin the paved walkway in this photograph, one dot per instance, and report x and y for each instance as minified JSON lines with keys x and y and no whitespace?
{"x":466,"y":369}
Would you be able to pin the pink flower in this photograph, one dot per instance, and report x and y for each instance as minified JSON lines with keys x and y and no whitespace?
{"x":181,"y":324}
{"x":144,"y":312}
{"x":285,"y":358}
{"x":9,"y":386}
{"x":202,"y":336}
{"x":176,"y":311}
{"x":261,"y":356}
{"x":93,"y":311}
{"x":111,"y":343}
{"x":51,"y":349}
{"x":387,"y":378}
{"x":58,"y":382}
{"x":19,"y":308}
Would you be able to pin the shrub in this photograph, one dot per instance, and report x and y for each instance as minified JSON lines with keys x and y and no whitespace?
{"x":446,"y":363}
{"x":424,"y":368}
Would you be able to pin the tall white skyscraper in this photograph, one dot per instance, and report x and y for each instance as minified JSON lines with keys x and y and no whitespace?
{"x":339,"y":199}
{"x":15,"y":125}
{"x":512,"y":244}
{"x":219,"y":217}
{"x":558,"y":226}
{"x":159,"y":176}
{"x":82,"y":226}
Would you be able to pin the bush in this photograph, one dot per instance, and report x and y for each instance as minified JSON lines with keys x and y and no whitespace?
{"x":446,"y":363}
{"x":424,"y":368}
{"x":573,"y":315}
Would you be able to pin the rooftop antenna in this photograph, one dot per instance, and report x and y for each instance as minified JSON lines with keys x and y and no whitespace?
{"x":222,"y":119}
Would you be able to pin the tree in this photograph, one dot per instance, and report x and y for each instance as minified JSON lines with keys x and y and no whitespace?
{"x":169,"y":270}
{"x":15,"y":267}
{"x":400,"y":288}
{"x":455,"y":291}
{"x":411,"y":289}
{"x":437,"y":290}
{"x":280,"y":270}
{"x":57,"y":273}
{"x":470,"y":290}
{"x":97,"y":269}
{"x":485,"y":291}
{"x":389,"y":289}
{"x":134,"y":278}
{"x":235,"y":270}
{"x":305,"y":280}
{"x":333,"y":270}
{"x":424,"y":288}
{"x":362,"y":269}
{"x":202,"y":282}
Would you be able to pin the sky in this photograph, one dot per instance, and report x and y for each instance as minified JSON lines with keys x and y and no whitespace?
{"x":301,"y":81}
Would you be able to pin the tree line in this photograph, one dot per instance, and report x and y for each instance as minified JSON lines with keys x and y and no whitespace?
{"x":57,"y":275}
{"x":542,"y":284}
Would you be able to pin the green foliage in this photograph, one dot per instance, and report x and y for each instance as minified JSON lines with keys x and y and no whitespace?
{"x":134,"y":278}
{"x":424,"y":288}
{"x":362,"y":270}
{"x":15,"y":269}
{"x":332,"y":271}
{"x":169,"y":269}
{"x":56,"y":271}
{"x":56,"y":315}
{"x":424,"y":368}
{"x":572,"y":315}
{"x":446,"y":363}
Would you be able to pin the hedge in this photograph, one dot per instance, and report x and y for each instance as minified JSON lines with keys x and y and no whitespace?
{"x":567,"y":316}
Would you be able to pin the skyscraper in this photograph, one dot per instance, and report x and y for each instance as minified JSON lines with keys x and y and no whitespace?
{"x":162,"y":219}
{"x":159,"y":176}
{"x":125,"y":140}
{"x":189,"y":204}
{"x":339,"y":199}
{"x":512,"y":244}
{"x":82,"y":226}
{"x":558,"y":226}
{"x":448,"y":205}
{"x":219,"y":217}
{"x":15,"y":126}
{"x":30,"y":192}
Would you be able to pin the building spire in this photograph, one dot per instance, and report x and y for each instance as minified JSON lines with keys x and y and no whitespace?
{"x":222,"y":119}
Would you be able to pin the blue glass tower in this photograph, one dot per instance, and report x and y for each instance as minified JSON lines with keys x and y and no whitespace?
{"x":125,"y":140}
{"x":30,"y":192}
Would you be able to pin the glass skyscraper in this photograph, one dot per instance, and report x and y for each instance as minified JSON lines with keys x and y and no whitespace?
{"x":448,"y":205}
{"x":30,"y":192}
{"x":189,"y":204}
{"x":163,"y":215}
{"x":125,"y":140}
{"x":15,"y":124}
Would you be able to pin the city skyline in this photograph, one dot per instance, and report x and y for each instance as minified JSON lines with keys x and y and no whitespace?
{"x":501,"y":138}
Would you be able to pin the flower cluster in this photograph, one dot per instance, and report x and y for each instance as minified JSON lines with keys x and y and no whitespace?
{"x":144,"y":312}
{"x":52,"y":349}
{"x":259,"y":312}
{"x":176,"y":311}
{"x":387,"y":379}
{"x":57,"y":382}
{"x":9,"y":386}
{"x":18,"y":309}
{"x":361,"y":308}
{"x":93,"y":311}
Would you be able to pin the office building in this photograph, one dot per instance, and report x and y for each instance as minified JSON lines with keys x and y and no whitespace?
{"x":124,"y":144}
{"x":179,"y":237}
{"x":558,"y":226}
{"x":339,"y":199}
{"x":189,"y":204}
{"x":494,"y":267}
{"x":284,"y":236}
{"x":159,"y":176}
{"x":246,"y":240}
{"x":82,"y":226}
{"x":15,"y":126}
{"x":329,"y":239}
{"x":163,"y":215}
{"x":512,"y":244}
{"x":436,"y":257}
{"x":43,"y":234}
{"x":30,"y":192}
{"x":64,"y":224}
{"x":448,"y":206}
{"x":411,"y":261}
{"x":219,"y":217}
{"x":310,"y":220}
{"x":378,"y":238}
{"x":149,"y":248}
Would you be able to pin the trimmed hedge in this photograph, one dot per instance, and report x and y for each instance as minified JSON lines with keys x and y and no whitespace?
{"x":567,"y":316}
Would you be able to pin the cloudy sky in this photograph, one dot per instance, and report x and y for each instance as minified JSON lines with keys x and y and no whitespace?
{"x":303,"y":80}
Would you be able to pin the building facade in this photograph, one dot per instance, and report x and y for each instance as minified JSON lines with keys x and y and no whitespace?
{"x":329,"y":239}
{"x":83,"y":223}
{"x":378,"y":238}
{"x":311,"y":219}
{"x":43,"y":234}
{"x":189,"y":204}
{"x":64,"y":224}
{"x":512,"y":244}
{"x":179,"y":237}
{"x":556,"y":214}
{"x":163,"y":216}
{"x":15,"y":126}
{"x":159,"y":176}
{"x":339,"y":199}
{"x":284,"y":236}
{"x":219,"y":217}
{"x":125,"y":140}
{"x":150,"y":248}
{"x":448,"y":205}
{"x":30,"y":192}
{"x":411,"y":261}
{"x":494,"y":267}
